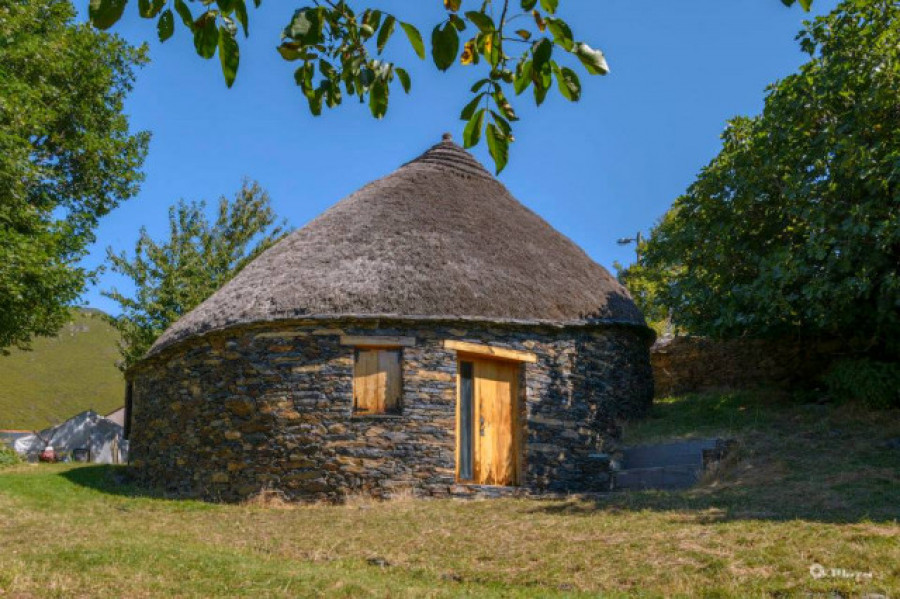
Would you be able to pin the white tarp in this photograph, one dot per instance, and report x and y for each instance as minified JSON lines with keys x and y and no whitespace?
{"x":100,"y":436}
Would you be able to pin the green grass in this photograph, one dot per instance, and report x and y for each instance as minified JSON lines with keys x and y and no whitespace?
{"x":62,"y":376}
{"x":811,"y":485}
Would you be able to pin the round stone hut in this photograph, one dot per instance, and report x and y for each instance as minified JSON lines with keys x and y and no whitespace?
{"x":428,"y":332}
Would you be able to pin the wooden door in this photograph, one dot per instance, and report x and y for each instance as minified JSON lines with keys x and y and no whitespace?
{"x":488,"y":422}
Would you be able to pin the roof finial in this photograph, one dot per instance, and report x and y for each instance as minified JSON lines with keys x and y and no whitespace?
{"x":447,"y":137}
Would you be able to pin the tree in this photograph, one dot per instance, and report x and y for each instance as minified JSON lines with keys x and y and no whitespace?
{"x":173,"y":276}
{"x":794,"y":228}
{"x":336,"y":46}
{"x":66,"y":157}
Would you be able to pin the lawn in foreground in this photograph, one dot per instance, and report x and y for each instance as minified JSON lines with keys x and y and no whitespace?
{"x":813,"y":486}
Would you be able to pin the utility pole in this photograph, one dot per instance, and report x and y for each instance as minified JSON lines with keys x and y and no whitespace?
{"x":636,"y":240}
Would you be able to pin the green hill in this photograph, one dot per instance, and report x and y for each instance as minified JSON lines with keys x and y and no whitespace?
{"x":62,"y":375}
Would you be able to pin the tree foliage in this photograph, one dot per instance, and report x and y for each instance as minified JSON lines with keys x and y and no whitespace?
{"x":794,"y":228}
{"x":66,"y":157}
{"x":174,"y":275}
{"x":339,"y":51}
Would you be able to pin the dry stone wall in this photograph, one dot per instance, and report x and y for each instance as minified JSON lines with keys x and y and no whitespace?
{"x":687,"y":364}
{"x":237,"y":412}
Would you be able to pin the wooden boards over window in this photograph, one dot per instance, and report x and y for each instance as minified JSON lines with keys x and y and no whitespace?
{"x":376,"y":381}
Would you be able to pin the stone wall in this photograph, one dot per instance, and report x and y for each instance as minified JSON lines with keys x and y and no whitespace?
{"x":686,"y":364}
{"x":233,"y":413}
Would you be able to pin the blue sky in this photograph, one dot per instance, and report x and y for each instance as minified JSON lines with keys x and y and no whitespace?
{"x":597,"y":170}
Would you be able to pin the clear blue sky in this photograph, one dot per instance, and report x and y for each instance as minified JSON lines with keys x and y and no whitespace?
{"x":596,"y":170}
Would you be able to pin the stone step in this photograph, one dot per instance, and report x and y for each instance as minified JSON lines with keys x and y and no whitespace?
{"x":666,"y":454}
{"x":662,"y":477}
{"x":676,"y":465}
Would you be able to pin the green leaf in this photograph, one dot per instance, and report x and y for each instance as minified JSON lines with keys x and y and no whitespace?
{"x":469,"y":109}
{"x":306,"y":26}
{"x":185,"y":13}
{"x":326,"y":69}
{"x":593,"y":60}
{"x":542,"y":80}
{"x":472,"y":132}
{"x":524,"y":34}
{"x":378,"y":98}
{"x":240,"y":12}
{"x":403,"y":76}
{"x":165,"y":27}
{"x":229,"y":55}
{"x":105,"y":13}
{"x":481,"y":20}
{"x":444,"y":46}
{"x":303,"y":77}
{"x":569,"y":84}
{"x":494,"y":55}
{"x":527,"y":5}
{"x":498,"y":145}
{"x":504,"y":106}
{"x":481,"y":83}
{"x":415,"y":39}
{"x":502,"y":124}
{"x":542,"y":52}
{"x":148,"y":9}
{"x":315,"y":102}
{"x":562,"y":34}
{"x":452,"y":5}
{"x":372,"y":18}
{"x":460,"y":24}
{"x":206,"y":35}
{"x":292,"y":51}
{"x":226,"y":6}
{"x":523,"y":76}
{"x":387,"y":28}
{"x":550,"y":5}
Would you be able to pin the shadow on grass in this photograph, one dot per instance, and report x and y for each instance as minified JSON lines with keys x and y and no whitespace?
{"x":830,"y":463}
{"x":112,"y":480}
{"x":820,"y":463}
{"x":728,"y":506}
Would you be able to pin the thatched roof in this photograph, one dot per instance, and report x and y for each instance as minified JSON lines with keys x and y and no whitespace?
{"x":438,"y":238}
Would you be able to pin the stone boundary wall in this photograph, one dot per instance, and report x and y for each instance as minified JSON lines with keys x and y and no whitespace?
{"x":687,"y":364}
{"x":269,"y":406}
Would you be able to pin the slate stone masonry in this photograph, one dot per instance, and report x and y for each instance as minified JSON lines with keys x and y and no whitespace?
{"x":269,"y":406}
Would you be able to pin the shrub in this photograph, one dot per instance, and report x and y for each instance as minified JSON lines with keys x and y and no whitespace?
{"x":8,"y":457}
{"x":876,"y":384}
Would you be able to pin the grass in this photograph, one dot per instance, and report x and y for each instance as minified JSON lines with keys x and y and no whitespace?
{"x":811,"y":486}
{"x":62,"y":376}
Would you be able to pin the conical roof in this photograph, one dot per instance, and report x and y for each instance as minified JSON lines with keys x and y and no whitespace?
{"x":439,"y":238}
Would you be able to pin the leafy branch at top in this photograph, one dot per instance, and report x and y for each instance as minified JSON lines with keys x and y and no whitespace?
{"x":340,"y":50}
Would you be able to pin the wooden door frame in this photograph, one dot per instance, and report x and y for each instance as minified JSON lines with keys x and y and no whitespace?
{"x":518,"y":421}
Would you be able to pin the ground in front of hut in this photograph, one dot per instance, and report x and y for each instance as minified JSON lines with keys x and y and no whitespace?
{"x":807,"y":505}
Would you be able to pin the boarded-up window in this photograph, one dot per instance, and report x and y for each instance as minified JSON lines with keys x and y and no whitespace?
{"x":376,"y":381}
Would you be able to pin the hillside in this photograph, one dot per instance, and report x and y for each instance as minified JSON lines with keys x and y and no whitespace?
{"x":62,"y":375}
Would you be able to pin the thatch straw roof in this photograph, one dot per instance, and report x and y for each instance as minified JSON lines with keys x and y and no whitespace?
{"x":440,"y":238}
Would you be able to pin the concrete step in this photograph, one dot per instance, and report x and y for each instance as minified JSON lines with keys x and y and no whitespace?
{"x":676,"y":465}
{"x":666,"y":454}
{"x":664,"y":478}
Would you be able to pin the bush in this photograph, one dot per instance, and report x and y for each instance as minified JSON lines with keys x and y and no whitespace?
{"x":876,"y":384}
{"x":8,"y":457}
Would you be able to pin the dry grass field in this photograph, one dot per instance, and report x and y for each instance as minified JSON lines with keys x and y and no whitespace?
{"x":809,"y":485}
